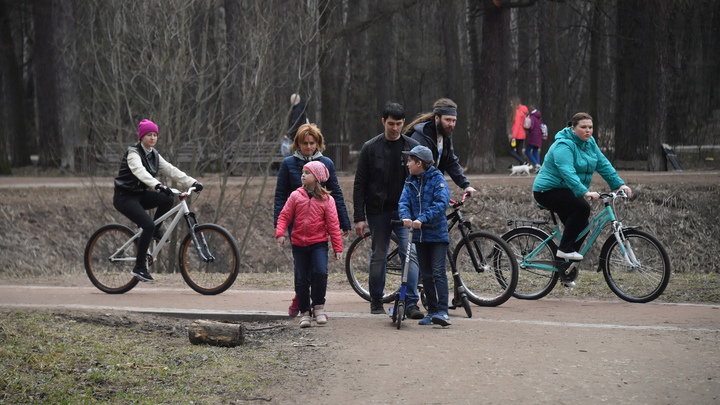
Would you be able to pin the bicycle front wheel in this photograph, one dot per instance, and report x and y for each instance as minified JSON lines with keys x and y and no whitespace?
{"x":215,"y":267}
{"x":533,"y":283}
{"x":108,"y":267}
{"x":642,"y":281}
{"x":357,"y":267}
{"x":487,"y":267}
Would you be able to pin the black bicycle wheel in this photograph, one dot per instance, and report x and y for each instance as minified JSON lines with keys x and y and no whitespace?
{"x":219,"y":270}
{"x":533,"y":283}
{"x":111,"y":275}
{"x":400,"y":313}
{"x":644,"y":281}
{"x":487,"y":267}
{"x":357,"y":267}
{"x":466,"y":306}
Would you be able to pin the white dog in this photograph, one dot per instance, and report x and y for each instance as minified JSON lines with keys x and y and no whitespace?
{"x":520,"y":170}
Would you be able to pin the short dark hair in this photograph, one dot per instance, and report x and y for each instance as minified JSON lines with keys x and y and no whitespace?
{"x":578,"y":117}
{"x":394,"y":110}
{"x":425,"y":165}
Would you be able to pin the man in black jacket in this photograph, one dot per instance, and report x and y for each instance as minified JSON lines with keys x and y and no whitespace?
{"x":379,"y":181}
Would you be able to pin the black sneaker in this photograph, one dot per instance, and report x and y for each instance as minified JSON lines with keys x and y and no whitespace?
{"x":376,"y":307}
{"x":413,"y":312}
{"x":141,"y":274}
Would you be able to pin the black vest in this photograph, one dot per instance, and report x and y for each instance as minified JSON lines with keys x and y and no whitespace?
{"x":126,"y":180}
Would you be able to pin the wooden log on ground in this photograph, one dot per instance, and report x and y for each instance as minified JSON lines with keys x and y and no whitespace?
{"x":216,"y":333}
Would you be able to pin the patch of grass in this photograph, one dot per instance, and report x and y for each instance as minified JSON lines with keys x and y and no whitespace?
{"x":53,"y":358}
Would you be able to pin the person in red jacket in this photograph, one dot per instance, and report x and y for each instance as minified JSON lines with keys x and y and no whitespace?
{"x":312,"y":211}
{"x":517,"y":137}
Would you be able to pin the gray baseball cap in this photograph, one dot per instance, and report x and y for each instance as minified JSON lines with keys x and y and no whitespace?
{"x":421,"y":152}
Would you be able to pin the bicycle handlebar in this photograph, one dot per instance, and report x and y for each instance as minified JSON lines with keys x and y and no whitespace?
{"x":183,"y":194}
{"x":456,"y":204}
{"x":400,"y":223}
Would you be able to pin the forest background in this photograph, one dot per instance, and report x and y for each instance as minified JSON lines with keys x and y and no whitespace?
{"x":216,"y":75}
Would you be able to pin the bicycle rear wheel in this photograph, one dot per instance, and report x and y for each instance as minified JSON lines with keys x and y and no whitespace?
{"x":487,"y":267}
{"x":219,"y":270}
{"x":357,"y":267}
{"x":640,"y":283}
{"x":533,"y":283}
{"x":112,"y":277}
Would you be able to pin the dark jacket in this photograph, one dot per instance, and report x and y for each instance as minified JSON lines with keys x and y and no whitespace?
{"x":126,"y":180}
{"x":298,"y":117}
{"x":426,"y":198}
{"x":425,"y":134}
{"x":288,"y":180}
{"x":371,"y":176}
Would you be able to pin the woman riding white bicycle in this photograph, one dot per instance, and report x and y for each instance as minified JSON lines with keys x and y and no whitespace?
{"x":133,"y":190}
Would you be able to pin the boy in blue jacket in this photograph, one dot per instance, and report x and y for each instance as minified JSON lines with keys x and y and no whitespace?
{"x":424,"y":200}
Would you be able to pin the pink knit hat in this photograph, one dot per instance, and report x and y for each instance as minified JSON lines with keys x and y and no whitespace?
{"x":146,"y":126}
{"x":318,"y":170}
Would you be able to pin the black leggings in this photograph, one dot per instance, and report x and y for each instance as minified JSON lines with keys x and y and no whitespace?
{"x":134,"y":206}
{"x":573,"y":212}
{"x":516,"y":152}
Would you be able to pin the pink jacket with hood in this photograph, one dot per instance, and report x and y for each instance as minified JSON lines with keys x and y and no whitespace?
{"x":313,"y":219}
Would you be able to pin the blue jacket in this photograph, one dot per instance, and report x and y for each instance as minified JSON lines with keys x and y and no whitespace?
{"x":426,"y":197}
{"x":288,"y":180}
{"x":570,"y":163}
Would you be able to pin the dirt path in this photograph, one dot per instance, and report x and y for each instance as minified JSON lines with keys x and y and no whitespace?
{"x":546,"y":351}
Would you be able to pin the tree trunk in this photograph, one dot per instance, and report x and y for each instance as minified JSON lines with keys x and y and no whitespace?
{"x":13,"y":129}
{"x":658,"y":77}
{"x":49,"y":139}
{"x":489,"y":84}
{"x":216,"y":333}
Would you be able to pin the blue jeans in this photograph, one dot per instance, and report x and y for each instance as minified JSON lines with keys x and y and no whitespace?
{"x":431,"y":256}
{"x":310,"y":274}
{"x":380,"y":230}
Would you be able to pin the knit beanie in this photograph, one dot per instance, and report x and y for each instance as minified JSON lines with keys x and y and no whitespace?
{"x":146,"y":126}
{"x":318,"y":170}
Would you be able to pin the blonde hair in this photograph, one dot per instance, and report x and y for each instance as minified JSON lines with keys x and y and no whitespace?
{"x":320,"y":191}
{"x":306,"y":130}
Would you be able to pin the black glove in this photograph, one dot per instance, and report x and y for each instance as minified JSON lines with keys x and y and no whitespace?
{"x":198,"y":186}
{"x":164,"y":189}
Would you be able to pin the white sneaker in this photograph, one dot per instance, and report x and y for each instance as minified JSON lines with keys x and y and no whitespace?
{"x":305,"y":320}
{"x":569,"y":256}
{"x":568,"y":284}
{"x":320,"y":316}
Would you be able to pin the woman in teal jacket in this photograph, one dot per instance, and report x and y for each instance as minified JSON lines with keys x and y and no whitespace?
{"x":564,"y":180}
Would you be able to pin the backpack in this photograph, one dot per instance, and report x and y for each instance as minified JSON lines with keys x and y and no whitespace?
{"x":528,"y":122}
{"x":544,"y":130}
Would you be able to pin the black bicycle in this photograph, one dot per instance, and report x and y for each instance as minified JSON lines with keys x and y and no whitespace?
{"x":488,"y":266}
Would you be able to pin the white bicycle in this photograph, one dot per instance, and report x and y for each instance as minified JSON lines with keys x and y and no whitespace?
{"x":209,"y":257}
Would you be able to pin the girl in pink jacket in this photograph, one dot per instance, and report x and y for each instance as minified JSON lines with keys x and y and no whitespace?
{"x":312,"y":211}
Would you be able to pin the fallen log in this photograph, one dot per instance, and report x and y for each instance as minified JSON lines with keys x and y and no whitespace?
{"x":213,"y":333}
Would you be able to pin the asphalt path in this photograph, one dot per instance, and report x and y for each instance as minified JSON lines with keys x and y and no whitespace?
{"x":544,"y":351}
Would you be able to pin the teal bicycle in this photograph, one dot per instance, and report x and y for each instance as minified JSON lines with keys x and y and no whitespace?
{"x":634,"y":263}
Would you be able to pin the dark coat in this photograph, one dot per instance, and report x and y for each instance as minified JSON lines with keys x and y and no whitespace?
{"x":288,"y":180}
{"x":424,"y":133}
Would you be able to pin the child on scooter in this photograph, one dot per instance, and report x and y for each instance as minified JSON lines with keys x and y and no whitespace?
{"x":424,"y":200}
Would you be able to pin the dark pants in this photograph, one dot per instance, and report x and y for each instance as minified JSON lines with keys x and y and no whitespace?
{"x":516,"y":152}
{"x":134,"y":206}
{"x":311,"y":274}
{"x":573,"y":212}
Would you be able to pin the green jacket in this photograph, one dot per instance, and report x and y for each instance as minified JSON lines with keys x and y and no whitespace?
{"x":570,"y":163}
